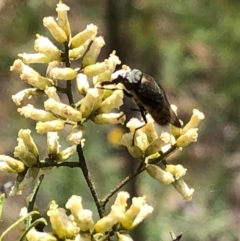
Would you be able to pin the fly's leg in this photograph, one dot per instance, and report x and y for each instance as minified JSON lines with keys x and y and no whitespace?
{"x":143,"y":114}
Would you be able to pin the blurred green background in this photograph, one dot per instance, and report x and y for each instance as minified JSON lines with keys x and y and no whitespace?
{"x":192,"y":48}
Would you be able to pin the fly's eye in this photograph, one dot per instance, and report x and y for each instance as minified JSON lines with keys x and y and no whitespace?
{"x":134,"y":76}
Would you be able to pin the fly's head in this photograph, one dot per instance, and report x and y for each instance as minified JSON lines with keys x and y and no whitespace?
{"x":129,"y":79}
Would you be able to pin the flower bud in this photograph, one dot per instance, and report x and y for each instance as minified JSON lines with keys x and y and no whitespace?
{"x":57,"y":32}
{"x":136,"y":213}
{"x":121,"y":199}
{"x":93,"y":52}
{"x":91,"y":101}
{"x":66,"y":154}
{"x":159,"y":174}
{"x":11,"y":165}
{"x":175,"y":131}
{"x":61,"y":224}
{"x":107,"y":222}
{"x":51,"y":92}
{"x":134,"y":150}
{"x":63,"y":73}
{"x":63,"y":22}
{"x":82,"y":83}
{"x":78,"y":52}
{"x":96,"y":69}
{"x":194,"y":121}
{"x":88,"y":34}
{"x":124,"y":237}
{"x":114,"y":101}
{"x":74,"y":204}
{"x":34,"y":58}
{"x":154,"y":147}
{"x":44,"y":46}
{"x":187,"y":138}
{"x":25,"y":135}
{"x":63,"y":110}
{"x":50,"y":66}
{"x":25,"y":94}
{"x":113,"y":61}
{"x":141,"y":138}
{"x":35,"y":114}
{"x":76,"y":135}
{"x":52,"y":144}
{"x":34,"y":235}
{"x":84,"y":220}
{"x":143,"y":213}
{"x":104,"y":76}
{"x":183,"y":189}
{"x":176,"y":170}
{"x":21,"y":151}
{"x":44,"y":127}
{"x":109,"y":118}
{"x":29,"y":75}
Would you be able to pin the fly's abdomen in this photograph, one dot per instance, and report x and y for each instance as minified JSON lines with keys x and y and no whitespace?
{"x":164,"y":115}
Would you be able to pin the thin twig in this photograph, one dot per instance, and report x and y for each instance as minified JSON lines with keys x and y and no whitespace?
{"x":86,"y":174}
{"x":135,"y":173}
{"x":55,"y":164}
{"x":69,"y":82}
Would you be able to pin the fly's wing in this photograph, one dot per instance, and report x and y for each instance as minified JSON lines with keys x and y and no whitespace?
{"x":174,"y":120}
{"x":154,"y":99}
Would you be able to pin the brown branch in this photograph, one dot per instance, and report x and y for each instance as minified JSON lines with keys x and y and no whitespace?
{"x":86,"y":174}
{"x":140,"y":169}
{"x":55,"y":164}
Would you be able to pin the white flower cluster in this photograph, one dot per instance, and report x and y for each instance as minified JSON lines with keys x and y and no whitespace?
{"x":148,"y":145}
{"x":79,"y":225}
{"x":93,"y":104}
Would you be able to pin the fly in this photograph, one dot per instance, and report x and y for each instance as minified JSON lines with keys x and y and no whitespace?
{"x":148,"y":95}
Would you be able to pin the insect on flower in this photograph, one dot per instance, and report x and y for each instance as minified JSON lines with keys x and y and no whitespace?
{"x":148,"y":95}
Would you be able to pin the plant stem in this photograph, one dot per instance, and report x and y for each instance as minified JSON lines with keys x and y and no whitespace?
{"x":86,"y":174}
{"x":136,"y":172}
{"x":69,"y":82}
